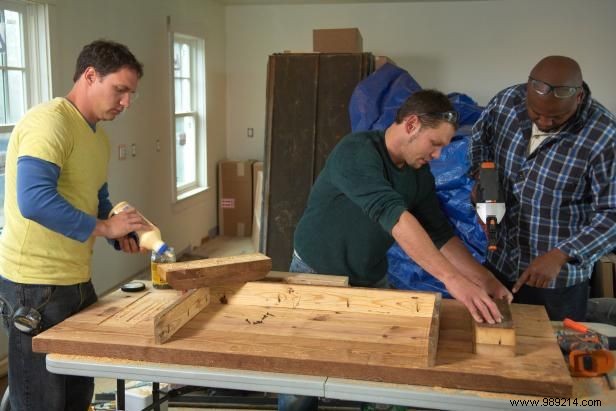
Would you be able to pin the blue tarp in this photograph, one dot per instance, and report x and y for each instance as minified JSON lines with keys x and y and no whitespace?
{"x":373,"y":106}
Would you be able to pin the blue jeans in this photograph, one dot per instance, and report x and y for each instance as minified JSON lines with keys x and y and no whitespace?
{"x":32,"y":387}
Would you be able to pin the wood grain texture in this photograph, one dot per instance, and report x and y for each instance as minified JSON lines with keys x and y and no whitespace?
{"x":175,"y":315}
{"x":260,"y":333}
{"x":318,"y":279}
{"x":215,"y":271}
{"x":496,"y":339}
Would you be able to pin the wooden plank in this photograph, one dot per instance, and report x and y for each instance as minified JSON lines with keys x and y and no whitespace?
{"x":215,"y":271}
{"x":174,"y":316}
{"x":495,"y":339}
{"x":377,"y":346}
{"x":318,"y":279}
{"x":340,"y":299}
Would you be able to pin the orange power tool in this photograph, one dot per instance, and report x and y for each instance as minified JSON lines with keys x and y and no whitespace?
{"x":588,"y":351}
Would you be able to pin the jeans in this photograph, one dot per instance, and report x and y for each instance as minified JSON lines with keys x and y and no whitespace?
{"x":32,"y":387}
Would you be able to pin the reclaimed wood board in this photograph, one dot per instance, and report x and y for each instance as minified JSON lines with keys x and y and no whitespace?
{"x":377,"y":335}
{"x":237,"y":269}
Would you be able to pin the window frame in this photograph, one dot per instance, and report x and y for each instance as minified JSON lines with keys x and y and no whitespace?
{"x":197,"y":112}
{"x":36,"y":59}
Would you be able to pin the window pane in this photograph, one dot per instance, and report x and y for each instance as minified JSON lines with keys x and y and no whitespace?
{"x":185,"y":151}
{"x":177,"y":85}
{"x":185,"y":67}
{"x":177,"y":61}
{"x":14,"y":42}
{"x":16,"y":96}
{"x":186,"y":96}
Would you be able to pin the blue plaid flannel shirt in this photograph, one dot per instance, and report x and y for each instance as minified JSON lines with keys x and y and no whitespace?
{"x":563,"y":195}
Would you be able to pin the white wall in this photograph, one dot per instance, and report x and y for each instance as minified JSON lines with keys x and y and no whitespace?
{"x":474,"y":47}
{"x":145,"y":180}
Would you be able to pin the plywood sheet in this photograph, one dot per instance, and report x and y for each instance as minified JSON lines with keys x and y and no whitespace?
{"x":374,"y":335}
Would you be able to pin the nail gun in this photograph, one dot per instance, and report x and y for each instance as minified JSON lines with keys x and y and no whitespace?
{"x":490,"y":201}
{"x":587,"y":351}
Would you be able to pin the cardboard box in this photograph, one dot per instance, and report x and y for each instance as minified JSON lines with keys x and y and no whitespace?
{"x":257,"y":175}
{"x":235,"y":198}
{"x":337,"y":40}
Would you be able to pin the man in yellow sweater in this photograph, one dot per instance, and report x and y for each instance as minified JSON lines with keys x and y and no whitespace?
{"x":56,"y":203}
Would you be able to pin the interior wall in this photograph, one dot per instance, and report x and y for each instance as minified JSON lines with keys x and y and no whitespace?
{"x":473,"y":47}
{"x":145,"y":180}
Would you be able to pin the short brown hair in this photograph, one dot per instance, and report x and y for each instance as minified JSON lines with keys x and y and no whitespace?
{"x":106,"y":57}
{"x":423,"y":103}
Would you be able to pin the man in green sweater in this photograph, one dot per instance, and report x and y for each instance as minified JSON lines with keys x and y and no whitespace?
{"x":376,"y":187}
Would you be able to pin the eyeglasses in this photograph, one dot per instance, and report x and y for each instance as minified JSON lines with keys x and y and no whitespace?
{"x":448,"y":116}
{"x":543,"y":88}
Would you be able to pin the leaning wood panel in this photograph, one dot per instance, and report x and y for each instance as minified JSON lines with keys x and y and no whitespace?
{"x":313,"y":341}
{"x":215,"y":271}
{"x":339,"y":74}
{"x":289,"y":149}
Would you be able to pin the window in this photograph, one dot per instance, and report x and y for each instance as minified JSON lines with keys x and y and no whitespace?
{"x":24,"y":68}
{"x":189,"y":115}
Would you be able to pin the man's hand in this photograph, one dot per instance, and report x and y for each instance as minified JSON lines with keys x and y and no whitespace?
{"x":129,"y":244}
{"x":542,"y":270}
{"x":119,"y":225}
{"x":477,"y":301}
{"x":497,"y":290}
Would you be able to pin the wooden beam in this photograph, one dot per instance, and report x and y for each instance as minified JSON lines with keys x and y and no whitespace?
{"x":496,"y":339}
{"x":308,"y":279}
{"x":215,"y":271}
{"x":174,"y":316}
{"x":341,"y":299}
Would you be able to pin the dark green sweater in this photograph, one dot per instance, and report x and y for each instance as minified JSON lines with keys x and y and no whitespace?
{"x":354,"y":204}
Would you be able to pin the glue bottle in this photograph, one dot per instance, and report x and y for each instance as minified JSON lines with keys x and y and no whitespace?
{"x":148,"y":239}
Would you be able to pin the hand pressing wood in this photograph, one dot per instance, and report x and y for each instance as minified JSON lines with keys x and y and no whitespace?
{"x":215,"y":271}
{"x":495,"y":339}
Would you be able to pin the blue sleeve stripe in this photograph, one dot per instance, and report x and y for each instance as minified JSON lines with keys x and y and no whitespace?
{"x":104,"y":204}
{"x":38,"y":200}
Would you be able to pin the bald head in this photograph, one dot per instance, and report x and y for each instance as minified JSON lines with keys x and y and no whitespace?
{"x":558,"y":71}
{"x":546,"y":110}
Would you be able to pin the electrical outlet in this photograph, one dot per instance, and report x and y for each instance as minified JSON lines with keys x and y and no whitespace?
{"x":122,"y":152}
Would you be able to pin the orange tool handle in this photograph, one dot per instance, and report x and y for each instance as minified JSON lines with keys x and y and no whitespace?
{"x":573,"y":325}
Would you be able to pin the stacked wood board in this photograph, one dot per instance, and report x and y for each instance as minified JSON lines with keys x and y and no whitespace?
{"x":378,"y":335}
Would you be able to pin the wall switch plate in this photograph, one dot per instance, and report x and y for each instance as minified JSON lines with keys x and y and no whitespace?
{"x":250,"y":132}
{"x":133,"y":150}
{"x":122,"y":152}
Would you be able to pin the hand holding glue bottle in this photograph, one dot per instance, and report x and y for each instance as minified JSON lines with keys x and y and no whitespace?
{"x":149,"y":239}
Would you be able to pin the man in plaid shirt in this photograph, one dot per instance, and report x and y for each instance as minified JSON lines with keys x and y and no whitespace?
{"x":555,"y":152}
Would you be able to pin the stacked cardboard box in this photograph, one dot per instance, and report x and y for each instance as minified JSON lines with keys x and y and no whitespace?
{"x":235,"y":198}
{"x":337,"y":40}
